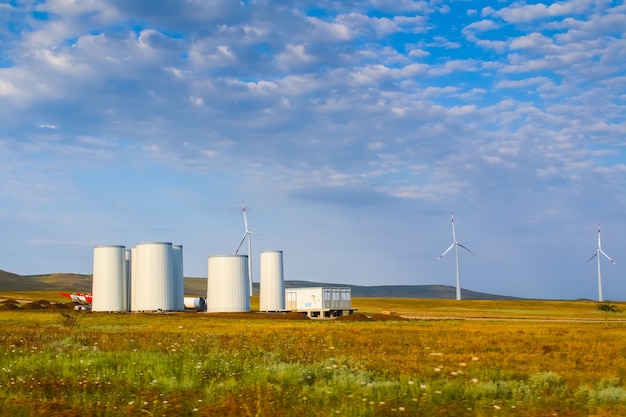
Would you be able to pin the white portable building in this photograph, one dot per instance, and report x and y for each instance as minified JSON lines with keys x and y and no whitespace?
{"x":320,"y":301}
{"x":110,"y":280}
{"x":272,"y":281}
{"x":227,"y":284}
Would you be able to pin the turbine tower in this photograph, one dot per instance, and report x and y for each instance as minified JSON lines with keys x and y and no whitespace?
{"x":599,"y":251}
{"x":247,"y":234}
{"x":455,"y":244}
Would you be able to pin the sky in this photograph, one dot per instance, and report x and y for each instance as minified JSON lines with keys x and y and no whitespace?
{"x":351,"y":130}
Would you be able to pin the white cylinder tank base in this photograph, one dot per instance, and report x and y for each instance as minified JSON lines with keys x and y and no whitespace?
{"x":272,"y":296}
{"x":227,"y":285}
{"x":133,"y":277}
{"x":179,"y":278}
{"x":154,"y":287}
{"x":110,"y":280}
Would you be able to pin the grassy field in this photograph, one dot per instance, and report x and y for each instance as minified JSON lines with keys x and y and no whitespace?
{"x":528,"y":358}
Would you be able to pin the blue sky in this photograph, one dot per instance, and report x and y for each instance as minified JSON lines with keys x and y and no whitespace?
{"x":351,"y":130}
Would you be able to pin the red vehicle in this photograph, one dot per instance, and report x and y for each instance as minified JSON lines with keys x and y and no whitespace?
{"x":79,"y":298}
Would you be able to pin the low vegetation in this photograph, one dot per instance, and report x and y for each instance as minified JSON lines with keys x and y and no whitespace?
{"x":462,"y":359}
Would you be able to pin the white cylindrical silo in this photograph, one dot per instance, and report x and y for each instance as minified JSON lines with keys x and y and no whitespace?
{"x":127,"y":266}
{"x":133,"y":276}
{"x":272,"y":296}
{"x":227,"y":284}
{"x":109,"y":285}
{"x":154,"y":284}
{"x":179,"y":279}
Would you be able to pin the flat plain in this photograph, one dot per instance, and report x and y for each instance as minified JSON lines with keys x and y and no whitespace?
{"x":427,"y":357}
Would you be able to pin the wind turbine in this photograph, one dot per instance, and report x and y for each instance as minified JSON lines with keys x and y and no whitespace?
{"x":597,"y":254}
{"x":247,"y":234}
{"x":455,"y":244}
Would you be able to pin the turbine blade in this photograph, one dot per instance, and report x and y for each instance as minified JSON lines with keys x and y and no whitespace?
{"x":594,"y":255}
{"x":241,"y":243}
{"x":608,"y":257}
{"x":453,"y":231}
{"x":245,"y":218}
{"x":466,"y":248}
{"x":447,"y":250}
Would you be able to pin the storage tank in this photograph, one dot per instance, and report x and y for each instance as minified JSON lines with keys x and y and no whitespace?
{"x":154,"y":285}
{"x":195,"y":303}
{"x":227,"y":284}
{"x":109,"y":284}
{"x":133,"y":276}
{"x":179,"y":279}
{"x":272,"y":296}
{"x":127,"y":266}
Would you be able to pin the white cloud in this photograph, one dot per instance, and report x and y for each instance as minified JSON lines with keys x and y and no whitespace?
{"x":382,"y":107}
{"x":294,"y":55}
{"x":329,"y":31}
{"x":522,"y":13}
{"x":7,"y":88}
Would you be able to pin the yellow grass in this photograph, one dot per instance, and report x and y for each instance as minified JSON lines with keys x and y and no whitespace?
{"x":530,"y":358}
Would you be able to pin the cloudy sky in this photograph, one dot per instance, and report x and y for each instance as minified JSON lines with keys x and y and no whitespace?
{"x":350,"y":129}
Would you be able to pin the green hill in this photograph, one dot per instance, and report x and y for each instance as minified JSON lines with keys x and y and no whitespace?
{"x":66,"y":282}
{"x":45,"y":282}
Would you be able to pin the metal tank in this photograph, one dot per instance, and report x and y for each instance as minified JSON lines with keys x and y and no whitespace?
{"x":127,"y":266}
{"x":109,"y":284}
{"x":178,"y":277}
{"x":272,"y":292}
{"x":133,"y":277}
{"x":154,"y":285}
{"x":227,"y":284}
{"x":195,"y":303}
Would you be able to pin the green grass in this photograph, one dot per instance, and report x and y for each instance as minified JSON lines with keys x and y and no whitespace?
{"x":83,"y":363}
{"x":517,"y":309}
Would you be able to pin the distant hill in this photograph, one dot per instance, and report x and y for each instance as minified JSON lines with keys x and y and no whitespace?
{"x":403,"y":291}
{"x":66,"y":282}
{"x":46,"y":282}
